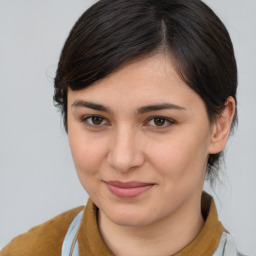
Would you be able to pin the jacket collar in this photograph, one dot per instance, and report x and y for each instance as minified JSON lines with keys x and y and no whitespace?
{"x":206,"y":242}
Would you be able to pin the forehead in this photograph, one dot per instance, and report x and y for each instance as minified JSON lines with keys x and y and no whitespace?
{"x":150,"y":80}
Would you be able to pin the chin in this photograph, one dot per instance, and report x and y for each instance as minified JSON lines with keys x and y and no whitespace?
{"x":129,"y":216}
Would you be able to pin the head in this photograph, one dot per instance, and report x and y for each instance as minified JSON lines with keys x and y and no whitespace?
{"x":112,"y":33}
{"x":125,"y":61}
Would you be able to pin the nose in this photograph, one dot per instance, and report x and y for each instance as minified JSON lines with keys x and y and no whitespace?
{"x":125,"y":151}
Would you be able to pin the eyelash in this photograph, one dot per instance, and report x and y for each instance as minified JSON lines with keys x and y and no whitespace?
{"x":167,"y":121}
{"x":85,"y":121}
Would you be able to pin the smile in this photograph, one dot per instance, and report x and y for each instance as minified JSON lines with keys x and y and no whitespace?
{"x":127,"y":189}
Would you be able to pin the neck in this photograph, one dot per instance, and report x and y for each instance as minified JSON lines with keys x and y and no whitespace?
{"x":163,"y":238}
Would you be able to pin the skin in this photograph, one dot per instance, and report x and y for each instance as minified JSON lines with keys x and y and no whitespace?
{"x":126,"y":142}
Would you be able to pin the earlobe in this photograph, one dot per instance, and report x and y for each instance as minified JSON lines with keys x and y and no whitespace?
{"x":221,"y":127}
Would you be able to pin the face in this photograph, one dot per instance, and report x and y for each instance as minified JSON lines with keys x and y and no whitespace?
{"x":140,"y":141}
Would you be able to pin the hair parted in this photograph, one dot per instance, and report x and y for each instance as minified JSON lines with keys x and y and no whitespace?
{"x":112,"y":32}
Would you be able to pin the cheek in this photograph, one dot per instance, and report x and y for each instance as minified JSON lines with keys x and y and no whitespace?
{"x":180,"y":157}
{"x":88,"y":153}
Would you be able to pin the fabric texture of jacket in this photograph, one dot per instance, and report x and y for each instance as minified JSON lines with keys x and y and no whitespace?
{"x":47,"y":239}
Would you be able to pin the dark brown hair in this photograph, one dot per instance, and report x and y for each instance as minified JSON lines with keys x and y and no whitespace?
{"x":113,"y":32}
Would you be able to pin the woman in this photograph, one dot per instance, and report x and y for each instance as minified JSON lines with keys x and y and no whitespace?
{"x":148,"y":95}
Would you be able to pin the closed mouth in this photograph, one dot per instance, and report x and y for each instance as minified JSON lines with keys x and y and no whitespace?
{"x":128,"y":189}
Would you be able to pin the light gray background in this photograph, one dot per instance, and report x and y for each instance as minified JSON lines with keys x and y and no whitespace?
{"x":37,"y":176}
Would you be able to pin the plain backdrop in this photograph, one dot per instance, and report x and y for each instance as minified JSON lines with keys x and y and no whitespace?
{"x":37,"y":176}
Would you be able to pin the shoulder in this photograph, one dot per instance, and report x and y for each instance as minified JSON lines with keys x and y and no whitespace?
{"x":227,"y":246}
{"x":44,"y":239}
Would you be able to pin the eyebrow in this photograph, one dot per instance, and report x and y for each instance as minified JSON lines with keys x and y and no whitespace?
{"x":141,"y":110}
{"x":92,"y":105}
{"x":156,"y":107}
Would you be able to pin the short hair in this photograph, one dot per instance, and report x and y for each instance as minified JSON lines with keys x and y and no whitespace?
{"x":111,"y":33}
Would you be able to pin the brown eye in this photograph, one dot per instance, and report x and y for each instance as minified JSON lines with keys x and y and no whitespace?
{"x":159,"y":121}
{"x":97,"y":120}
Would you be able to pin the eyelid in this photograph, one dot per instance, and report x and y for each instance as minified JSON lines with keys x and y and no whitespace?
{"x":167,"y":119}
{"x":84,"y":119}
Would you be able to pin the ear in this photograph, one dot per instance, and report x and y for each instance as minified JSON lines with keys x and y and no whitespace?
{"x":221,"y":127}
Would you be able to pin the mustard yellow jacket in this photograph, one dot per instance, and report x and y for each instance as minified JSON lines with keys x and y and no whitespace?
{"x":47,"y":238}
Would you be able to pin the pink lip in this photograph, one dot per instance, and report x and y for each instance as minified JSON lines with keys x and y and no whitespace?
{"x":127,"y":189}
